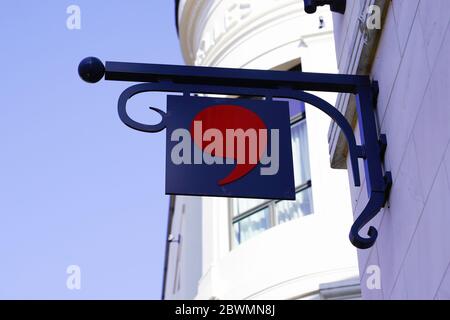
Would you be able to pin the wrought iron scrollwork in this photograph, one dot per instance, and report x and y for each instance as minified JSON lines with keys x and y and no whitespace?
{"x":270,"y":84}
{"x":128,"y":121}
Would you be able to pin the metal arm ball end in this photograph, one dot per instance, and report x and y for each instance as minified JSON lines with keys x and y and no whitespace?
{"x":91,"y":69}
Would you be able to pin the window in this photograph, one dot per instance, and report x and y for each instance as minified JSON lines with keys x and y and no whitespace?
{"x":250,"y":217}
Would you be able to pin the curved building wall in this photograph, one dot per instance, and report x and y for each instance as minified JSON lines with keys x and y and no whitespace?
{"x":295,"y":259}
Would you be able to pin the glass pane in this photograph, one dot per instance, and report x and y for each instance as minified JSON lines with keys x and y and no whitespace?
{"x":251,"y":226}
{"x":295,"y":106}
{"x":288,"y":210}
{"x":300,"y":153}
{"x":242,"y":205}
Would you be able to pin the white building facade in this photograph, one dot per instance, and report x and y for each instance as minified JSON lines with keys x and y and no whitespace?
{"x":409,"y":56}
{"x":222,"y":248}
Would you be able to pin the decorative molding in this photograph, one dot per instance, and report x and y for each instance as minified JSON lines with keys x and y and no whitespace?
{"x":311,"y":285}
{"x":207,"y":38}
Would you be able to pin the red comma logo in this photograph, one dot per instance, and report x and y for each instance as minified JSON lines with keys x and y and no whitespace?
{"x":239,"y":134}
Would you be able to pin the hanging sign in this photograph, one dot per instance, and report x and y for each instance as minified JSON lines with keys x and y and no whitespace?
{"x":241,"y":147}
{"x":228,"y":148}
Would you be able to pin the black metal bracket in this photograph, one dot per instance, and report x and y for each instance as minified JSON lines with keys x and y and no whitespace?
{"x":388,"y":182}
{"x":269,"y":84}
{"x":335,"y":5}
{"x":383,"y":146}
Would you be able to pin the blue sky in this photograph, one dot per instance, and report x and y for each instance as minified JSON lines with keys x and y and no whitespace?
{"x":77,"y":187}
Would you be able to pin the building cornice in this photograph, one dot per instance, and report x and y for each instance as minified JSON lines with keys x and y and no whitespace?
{"x":211,"y":30}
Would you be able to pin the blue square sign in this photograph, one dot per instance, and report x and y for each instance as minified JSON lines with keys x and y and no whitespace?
{"x":229,"y":148}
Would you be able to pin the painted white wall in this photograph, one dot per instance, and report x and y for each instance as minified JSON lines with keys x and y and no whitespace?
{"x":290,"y":260}
{"x":412,"y":67}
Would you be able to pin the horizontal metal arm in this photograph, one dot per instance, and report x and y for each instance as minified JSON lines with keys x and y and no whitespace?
{"x":141,"y":72}
{"x":144,"y":72}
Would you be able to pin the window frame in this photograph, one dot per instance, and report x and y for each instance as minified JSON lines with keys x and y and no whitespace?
{"x":269,"y":204}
